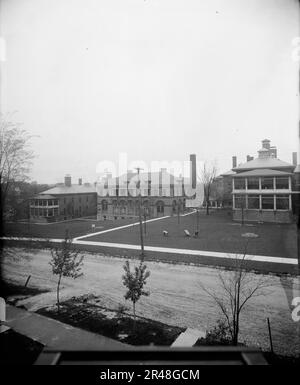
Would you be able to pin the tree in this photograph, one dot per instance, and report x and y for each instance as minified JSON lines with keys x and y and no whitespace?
{"x":66,"y":262}
{"x":237,"y":287}
{"x":207,"y":177}
{"x":15,"y":157}
{"x":135,"y":282}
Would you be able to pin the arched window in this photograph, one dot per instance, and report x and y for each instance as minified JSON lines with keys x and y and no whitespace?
{"x":104,"y":205}
{"x":174,"y":206}
{"x":160,"y":207}
{"x":123,"y":207}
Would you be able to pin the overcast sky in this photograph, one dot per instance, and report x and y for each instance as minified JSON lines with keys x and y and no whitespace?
{"x":157,"y":79}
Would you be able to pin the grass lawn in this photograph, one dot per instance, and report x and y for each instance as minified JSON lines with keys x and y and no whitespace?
{"x":79,"y":312}
{"x":58,"y":230}
{"x":217,"y":232}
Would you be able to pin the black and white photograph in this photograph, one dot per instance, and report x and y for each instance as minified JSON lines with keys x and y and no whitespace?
{"x":149,"y":185}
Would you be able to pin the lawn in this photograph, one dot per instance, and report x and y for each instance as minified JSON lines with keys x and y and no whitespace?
{"x":57,"y":230}
{"x":217,"y":232}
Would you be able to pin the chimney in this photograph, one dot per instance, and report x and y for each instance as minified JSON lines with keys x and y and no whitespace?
{"x":80,"y":181}
{"x":294,"y":158}
{"x":68,"y":180}
{"x":193,"y":171}
{"x":234,"y":162}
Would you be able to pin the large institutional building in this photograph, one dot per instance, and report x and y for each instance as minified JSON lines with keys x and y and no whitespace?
{"x":158,"y":193}
{"x":263,"y":189}
{"x":64,"y":201}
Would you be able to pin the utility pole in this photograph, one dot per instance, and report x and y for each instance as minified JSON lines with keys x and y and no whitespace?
{"x":197,"y":219}
{"x":140,"y":211}
{"x":145,"y":218}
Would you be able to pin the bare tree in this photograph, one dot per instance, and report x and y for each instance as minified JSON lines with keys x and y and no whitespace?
{"x":15,"y":157}
{"x":66,"y":262}
{"x":236,"y":289}
{"x":207,"y":176}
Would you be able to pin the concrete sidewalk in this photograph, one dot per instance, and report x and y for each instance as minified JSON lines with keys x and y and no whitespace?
{"x":55,"y":334}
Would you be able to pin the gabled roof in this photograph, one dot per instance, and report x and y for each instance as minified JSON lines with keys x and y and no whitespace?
{"x":262,"y":172}
{"x":263,"y":163}
{"x":74,"y":189}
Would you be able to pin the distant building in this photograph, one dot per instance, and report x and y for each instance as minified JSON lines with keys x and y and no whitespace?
{"x":262,"y":188}
{"x":161,"y":194}
{"x":64,"y":201}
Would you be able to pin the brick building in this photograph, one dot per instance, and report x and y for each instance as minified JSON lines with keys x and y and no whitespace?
{"x":161,"y":194}
{"x":64,"y":201}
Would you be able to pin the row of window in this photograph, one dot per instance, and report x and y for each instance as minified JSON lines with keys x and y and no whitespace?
{"x":44,"y":202}
{"x":144,"y":192}
{"x":130,"y":205}
{"x":262,"y":202}
{"x":39,"y":212}
{"x":264,"y":183}
{"x":80,"y":199}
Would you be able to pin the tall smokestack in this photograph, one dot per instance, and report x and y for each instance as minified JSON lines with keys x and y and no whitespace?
{"x":295,"y":158}
{"x":68,"y":180}
{"x":193,"y":171}
{"x":234,"y":162}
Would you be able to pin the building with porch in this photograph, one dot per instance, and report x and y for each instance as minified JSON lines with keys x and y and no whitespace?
{"x":262,"y":188}
{"x":64,"y":201}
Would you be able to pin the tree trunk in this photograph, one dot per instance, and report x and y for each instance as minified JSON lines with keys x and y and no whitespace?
{"x":207,"y":207}
{"x":134,"y":318}
{"x":57,"y":293}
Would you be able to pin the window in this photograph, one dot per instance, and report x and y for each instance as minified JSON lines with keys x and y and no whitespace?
{"x":240,"y":201}
{"x":160,"y":207}
{"x":239,"y":183}
{"x":267,"y":202}
{"x":282,"y":183}
{"x":267,"y":183}
{"x":253,"y":202}
{"x":104,"y":205}
{"x":253,"y":183}
{"x":282,"y":202}
{"x":154,"y":191}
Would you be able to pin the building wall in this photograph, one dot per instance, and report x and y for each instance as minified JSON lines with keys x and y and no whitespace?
{"x":71,"y":206}
{"x":263,"y":216}
{"x":124,"y":207}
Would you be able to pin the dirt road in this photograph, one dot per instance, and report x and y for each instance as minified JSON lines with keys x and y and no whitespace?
{"x":176,"y":296}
